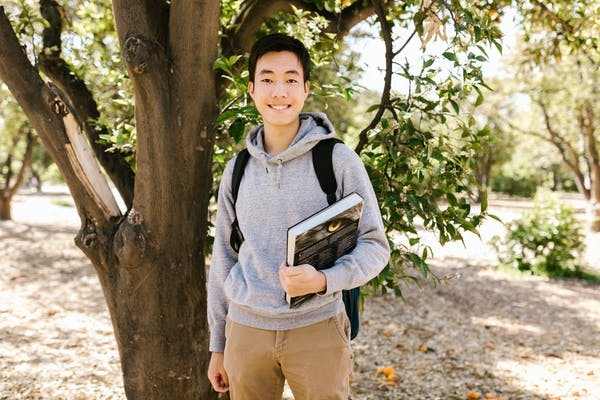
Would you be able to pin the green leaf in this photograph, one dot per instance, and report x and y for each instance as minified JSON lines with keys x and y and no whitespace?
{"x":484,"y":201}
{"x":455,"y":106}
{"x":224,"y":117}
{"x":236,"y":130}
{"x":480,"y":97}
{"x":450,"y":56}
{"x":373,"y":108}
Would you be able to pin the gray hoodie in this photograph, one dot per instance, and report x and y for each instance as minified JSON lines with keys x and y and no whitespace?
{"x":276,"y":192}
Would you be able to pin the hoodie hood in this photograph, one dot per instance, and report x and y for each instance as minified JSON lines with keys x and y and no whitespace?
{"x":314,"y":127}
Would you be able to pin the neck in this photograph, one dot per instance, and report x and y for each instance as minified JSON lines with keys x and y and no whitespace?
{"x":279,"y":138}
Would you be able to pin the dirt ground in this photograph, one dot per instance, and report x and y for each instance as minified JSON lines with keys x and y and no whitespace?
{"x":485,"y":333}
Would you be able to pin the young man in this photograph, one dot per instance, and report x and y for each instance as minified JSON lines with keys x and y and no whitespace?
{"x":257,"y":341}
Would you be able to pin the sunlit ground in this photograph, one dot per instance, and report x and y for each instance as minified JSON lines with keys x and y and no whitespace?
{"x":485,"y":332}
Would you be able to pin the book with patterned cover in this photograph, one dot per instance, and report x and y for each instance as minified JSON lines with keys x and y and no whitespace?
{"x":325,"y":236}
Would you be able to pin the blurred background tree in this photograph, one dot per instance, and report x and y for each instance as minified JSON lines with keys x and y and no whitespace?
{"x":18,"y":143}
{"x":549,"y":102}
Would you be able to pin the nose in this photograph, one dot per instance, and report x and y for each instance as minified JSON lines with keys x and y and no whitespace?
{"x":279,"y":90}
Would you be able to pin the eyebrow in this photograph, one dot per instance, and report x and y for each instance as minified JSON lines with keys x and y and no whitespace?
{"x":268,"y":71}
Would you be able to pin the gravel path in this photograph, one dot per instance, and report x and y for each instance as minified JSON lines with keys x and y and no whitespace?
{"x":483,"y":333}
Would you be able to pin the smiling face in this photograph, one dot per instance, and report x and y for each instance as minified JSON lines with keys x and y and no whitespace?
{"x":279,"y":92}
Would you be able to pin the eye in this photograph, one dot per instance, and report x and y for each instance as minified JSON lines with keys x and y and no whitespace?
{"x":292,"y":80}
{"x":266,"y":80}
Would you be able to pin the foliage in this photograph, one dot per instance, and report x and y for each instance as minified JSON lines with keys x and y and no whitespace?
{"x":547,"y":240}
{"x":525,"y":182}
{"x":420,"y":154}
{"x":558,"y":28}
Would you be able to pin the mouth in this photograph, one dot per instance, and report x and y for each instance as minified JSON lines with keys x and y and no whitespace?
{"x":279,"y":106}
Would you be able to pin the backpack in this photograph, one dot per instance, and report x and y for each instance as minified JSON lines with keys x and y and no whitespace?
{"x":323,"y":164}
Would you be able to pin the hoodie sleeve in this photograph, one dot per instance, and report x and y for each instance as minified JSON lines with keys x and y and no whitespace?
{"x":223,"y":259}
{"x":372,"y":251}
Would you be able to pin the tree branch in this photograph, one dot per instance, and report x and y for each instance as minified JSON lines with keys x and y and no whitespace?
{"x":558,"y":138}
{"x":51,"y":119}
{"x":142,"y":27}
{"x":255,"y":12}
{"x":386,"y":33}
{"x":567,"y":153}
{"x":85,"y":108}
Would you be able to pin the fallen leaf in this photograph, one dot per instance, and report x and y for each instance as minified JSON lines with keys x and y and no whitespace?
{"x":472,"y":395}
{"x":591,"y":373}
{"x":489,"y":346}
{"x":423,"y":348}
{"x":387,"y":371}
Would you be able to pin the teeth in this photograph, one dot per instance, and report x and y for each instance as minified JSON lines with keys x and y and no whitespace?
{"x":279,"y":107}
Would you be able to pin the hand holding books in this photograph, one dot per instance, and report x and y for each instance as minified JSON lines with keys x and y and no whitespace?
{"x":301,"y":279}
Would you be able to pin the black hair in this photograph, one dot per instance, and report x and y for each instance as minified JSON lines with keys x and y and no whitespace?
{"x":278,"y":42}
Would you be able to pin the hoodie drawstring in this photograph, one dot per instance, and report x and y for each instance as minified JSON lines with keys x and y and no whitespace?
{"x":279,"y":168}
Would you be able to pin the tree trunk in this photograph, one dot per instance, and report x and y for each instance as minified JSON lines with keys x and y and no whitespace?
{"x":5,"y":208}
{"x":158,"y":309}
{"x":588,"y":125}
{"x":150,"y":261}
{"x":8,"y":192}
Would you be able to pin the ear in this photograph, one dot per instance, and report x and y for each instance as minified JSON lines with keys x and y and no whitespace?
{"x":307,"y":88}
{"x":251,"y":89}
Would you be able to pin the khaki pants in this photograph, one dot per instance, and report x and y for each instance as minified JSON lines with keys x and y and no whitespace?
{"x":316,"y":360}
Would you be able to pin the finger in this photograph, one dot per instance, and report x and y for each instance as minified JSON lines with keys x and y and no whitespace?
{"x":282,"y":277}
{"x":225,"y":379}
{"x":292,"y":271}
{"x":220,"y":385}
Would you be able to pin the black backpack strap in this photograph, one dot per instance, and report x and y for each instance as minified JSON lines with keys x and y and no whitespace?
{"x":352,"y":303}
{"x":236,"y":237}
{"x":323,"y":164}
{"x":238,"y":172}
